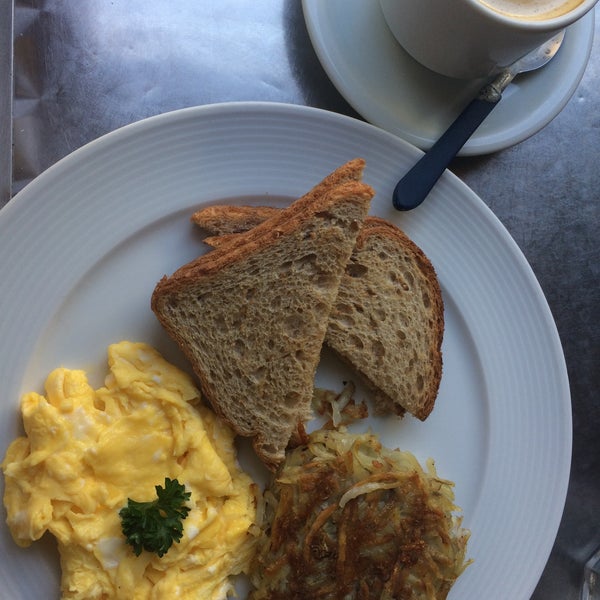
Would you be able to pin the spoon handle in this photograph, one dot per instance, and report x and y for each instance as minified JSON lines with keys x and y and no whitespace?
{"x":413,"y":188}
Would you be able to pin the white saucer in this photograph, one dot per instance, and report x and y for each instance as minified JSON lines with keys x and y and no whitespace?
{"x":391,"y":90}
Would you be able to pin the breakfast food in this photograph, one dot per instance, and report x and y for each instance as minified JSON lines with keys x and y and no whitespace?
{"x":87,"y":451}
{"x":388,"y":318}
{"x":251,"y":315}
{"x":348,"y":518}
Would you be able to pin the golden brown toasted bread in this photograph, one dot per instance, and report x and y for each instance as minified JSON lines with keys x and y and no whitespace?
{"x":388,"y":319}
{"x":251,"y":315}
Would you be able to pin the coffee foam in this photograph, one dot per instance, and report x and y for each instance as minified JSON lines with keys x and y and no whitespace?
{"x":532,"y":10}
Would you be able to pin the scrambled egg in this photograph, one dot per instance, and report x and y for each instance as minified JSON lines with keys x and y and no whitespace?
{"x":86,"y":451}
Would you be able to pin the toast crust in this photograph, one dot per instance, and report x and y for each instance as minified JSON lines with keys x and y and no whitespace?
{"x":229,"y":219}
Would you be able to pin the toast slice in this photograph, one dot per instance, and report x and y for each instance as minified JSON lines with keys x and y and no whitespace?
{"x":251,"y":316}
{"x":388,"y":319}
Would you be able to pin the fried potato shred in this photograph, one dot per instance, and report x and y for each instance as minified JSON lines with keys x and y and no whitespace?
{"x":347,"y":518}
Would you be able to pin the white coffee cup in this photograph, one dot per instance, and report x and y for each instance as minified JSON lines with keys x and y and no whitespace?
{"x":476,"y":38}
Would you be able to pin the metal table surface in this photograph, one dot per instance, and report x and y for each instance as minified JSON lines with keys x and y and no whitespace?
{"x":71,"y":71}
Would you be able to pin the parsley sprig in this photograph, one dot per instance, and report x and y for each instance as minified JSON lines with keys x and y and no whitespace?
{"x":155,"y":525}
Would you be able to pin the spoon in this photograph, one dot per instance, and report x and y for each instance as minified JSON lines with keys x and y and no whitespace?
{"x":413,"y":188}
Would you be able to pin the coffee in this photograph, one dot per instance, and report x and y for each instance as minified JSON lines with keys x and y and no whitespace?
{"x":532,"y":10}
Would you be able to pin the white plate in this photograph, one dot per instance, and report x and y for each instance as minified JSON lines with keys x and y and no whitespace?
{"x":389,"y":89}
{"x":83,"y":245}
